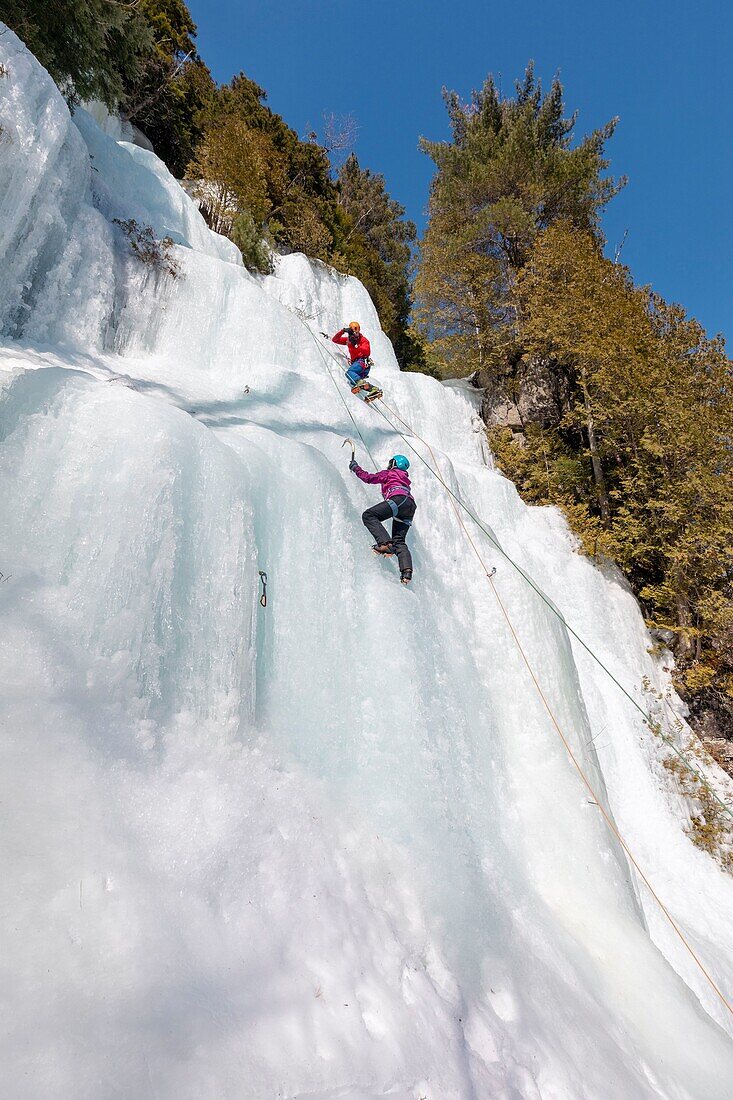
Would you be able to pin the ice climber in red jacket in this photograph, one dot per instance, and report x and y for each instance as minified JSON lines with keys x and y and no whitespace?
{"x":359,"y":350}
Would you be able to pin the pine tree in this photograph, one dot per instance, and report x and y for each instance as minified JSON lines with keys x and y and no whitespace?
{"x":232,"y":166}
{"x":508,"y":173}
{"x":172,"y":85}
{"x":377,"y":249}
{"x":301,"y":196}
{"x":88,"y":48}
{"x":651,"y":485}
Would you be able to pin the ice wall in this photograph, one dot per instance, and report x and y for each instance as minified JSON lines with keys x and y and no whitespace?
{"x":330,"y":848}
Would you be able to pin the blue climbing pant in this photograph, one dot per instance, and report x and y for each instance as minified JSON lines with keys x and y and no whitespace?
{"x":357,"y":371}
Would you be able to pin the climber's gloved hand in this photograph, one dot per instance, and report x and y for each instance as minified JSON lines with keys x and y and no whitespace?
{"x":353,"y":464}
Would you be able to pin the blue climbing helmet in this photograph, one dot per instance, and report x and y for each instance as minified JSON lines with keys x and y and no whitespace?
{"x":400,"y":462}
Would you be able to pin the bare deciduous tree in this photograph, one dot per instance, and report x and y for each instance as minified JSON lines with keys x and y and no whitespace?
{"x":338,"y":134}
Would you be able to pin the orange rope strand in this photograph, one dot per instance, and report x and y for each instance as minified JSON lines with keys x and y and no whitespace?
{"x":578,"y":767}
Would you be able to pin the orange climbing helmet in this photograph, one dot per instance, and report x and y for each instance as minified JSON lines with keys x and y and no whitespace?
{"x":355,"y":326}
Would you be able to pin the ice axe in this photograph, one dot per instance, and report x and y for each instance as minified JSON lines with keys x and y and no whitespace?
{"x":353,"y":448}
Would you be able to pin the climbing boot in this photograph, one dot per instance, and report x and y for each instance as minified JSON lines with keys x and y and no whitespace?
{"x":386,"y":548}
{"x":406,"y":576}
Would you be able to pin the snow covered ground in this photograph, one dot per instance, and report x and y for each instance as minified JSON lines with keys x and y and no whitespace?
{"x":332,"y":848}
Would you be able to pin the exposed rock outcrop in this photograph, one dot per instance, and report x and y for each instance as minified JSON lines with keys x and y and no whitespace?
{"x":537,"y":392}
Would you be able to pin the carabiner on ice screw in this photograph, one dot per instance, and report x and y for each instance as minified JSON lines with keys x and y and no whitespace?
{"x":263,"y":579}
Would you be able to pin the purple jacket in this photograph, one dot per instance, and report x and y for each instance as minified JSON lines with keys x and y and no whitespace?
{"x":395,"y":483}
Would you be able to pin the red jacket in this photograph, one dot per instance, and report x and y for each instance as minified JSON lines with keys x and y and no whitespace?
{"x":361,"y":350}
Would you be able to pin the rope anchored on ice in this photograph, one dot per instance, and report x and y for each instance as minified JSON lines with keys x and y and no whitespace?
{"x":381,"y":406}
{"x":651,"y":724}
{"x":576,"y":763}
{"x":325,"y":359}
{"x":459,"y":504}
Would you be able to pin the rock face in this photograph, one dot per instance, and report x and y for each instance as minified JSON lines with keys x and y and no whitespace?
{"x":538,"y":393}
{"x":711,"y":718}
{"x":543,"y":393}
{"x":499,"y":411}
{"x":721,"y":751}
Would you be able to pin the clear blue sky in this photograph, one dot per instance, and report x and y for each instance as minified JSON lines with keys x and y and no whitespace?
{"x":666,"y":68}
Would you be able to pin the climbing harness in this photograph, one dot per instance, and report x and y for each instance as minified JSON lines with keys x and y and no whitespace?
{"x":263,"y":581}
{"x":395,"y":507}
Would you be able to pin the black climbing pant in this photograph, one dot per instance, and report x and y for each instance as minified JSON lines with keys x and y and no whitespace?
{"x":400,"y":509}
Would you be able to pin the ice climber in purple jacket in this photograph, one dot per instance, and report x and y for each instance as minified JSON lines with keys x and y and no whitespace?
{"x":397,"y":505}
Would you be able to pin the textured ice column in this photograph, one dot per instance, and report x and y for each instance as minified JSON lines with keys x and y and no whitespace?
{"x":55,"y":249}
{"x":139,"y":520}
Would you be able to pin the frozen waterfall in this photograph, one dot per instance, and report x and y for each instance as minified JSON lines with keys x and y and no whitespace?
{"x":332,"y":848}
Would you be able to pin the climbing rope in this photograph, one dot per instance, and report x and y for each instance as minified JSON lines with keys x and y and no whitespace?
{"x":649,"y":722}
{"x":324,"y":357}
{"x":457,"y":503}
{"x":490,"y":573}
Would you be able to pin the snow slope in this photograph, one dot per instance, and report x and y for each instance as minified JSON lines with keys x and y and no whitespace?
{"x":332,"y":848}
